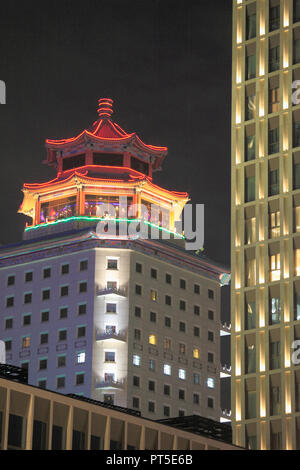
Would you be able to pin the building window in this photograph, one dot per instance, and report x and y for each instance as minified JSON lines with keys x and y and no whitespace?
{"x":138,"y":268}
{"x":43,"y":364}
{"x":81,"y":331}
{"x":196,"y":331}
{"x":273,"y":138}
{"x":26,"y":320}
{"x":210,"y":336}
{"x":250,"y":25}
{"x":45,"y":316}
{"x":10,"y":280}
{"x":79,"y":378}
{"x":81,"y":309}
{"x":42,"y":383}
{"x":64,"y":291}
{"x":136,"y":360}
{"x":8,"y":344}
{"x":196,"y":289}
{"x":182,"y":327}
{"x":10,"y":301}
{"x":65,"y":269}
{"x":274,"y":101}
{"x":112,"y":264}
{"x":250,"y":359}
{"x":60,"y":381}
{"x":296,"y":143}
{"x":152,"y":365}
{"x":210,"y":402}
{"x":196,"y":379}
{"x":137,"y":334}
{"x":196,"y":310}
{"x":44,"y":338}
{"x":275,"y":355}
{"x":135,"y":402}
{"x":83,"y":265}
{"x":61,"y":361}
{"x":166,"y":411}
{"x":211,"y":294}
{"x":274,"y":58}
{"x":26,"y":342}
{"x":167,"y":344}
{"x":182,"y":374}
{"x":250,"y":66}
{"x":274,"y":224}
{"x":274,"y":262}
{"x":210,"y":382}
{"x":275,"y":310}
{"x":168,"y":279}
{"x":168,"y":322}
{"x":28,"y":298}
{"x":210,"y":315}
{"x":182,"y":284}
{"x":167,"y":390}
{"x":168,"y":300}
{"x":80,"y":357}
{"x":296,"y":50}
{"x":153,"y":317}
{"x":46,"y":273}
{"x":182,"y":305}
{"x":45,"y":294}
{"x":62,"y":335}
{"x":250,"y":311}
{"x":181,"y":394}
{"x":63,"y":312}
{"x":153,"y":295}
{"x":296,"y":11}
{"x":151,"y":407}
{"x":167,"y":369}
{"x":8,"y":323}
{"x":29,"y":276}
{"x":138,"y":312}
{"x":82,"y":287}
{"x":274,"y":18}
{"x":136,"y":381}
{"x":151,"y":386}
{"x":249,"y":188}
{"x":153,"y":273}
{"x":181,"y":413}
{"x":210,"y":357}
{"x":196,"y":399}
{"x":138,"y":289}
{"x":274,"y":182}
{"x":152,"y":340}
{"x":196,"y":353}
{"x":250,"y":108}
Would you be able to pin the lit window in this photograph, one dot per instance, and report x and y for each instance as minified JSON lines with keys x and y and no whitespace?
{"x":153,"y":295}
{"x":167,"y":369}
{"x":136,"y":360}
{"x":112,"y":264}
{"x":26,"y":342}
{"x":210,"y":382}
{"x":182,"y":348}
{"x":167,"y":343}
{"x":111,"y":308}
{"x":196,"y":353}
{"x":275,"y":267}
{"x":181,"y":374}
{"x":152,"y":339}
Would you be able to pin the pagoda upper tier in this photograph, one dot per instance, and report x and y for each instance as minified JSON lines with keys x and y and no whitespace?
{"x":95,"y":172}
{"x":105,"y":144}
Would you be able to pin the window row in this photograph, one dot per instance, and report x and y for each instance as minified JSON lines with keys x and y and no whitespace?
{"x":152,"y":385}
{"x":61,"y":380}
{"x":168,"y":320}
{"x":152,"y":406}
{"x":167,"y":342}
{"x":167,"y":368}
{"x":44,"y":316}
{"x":44,"y":337}
{"x":168,"y":298}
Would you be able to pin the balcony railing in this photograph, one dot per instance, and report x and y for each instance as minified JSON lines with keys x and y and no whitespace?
{"x":111,"y":291}
{"x":225,"y":371}
{"x":109,"y":383}
{"x":102,"y":335}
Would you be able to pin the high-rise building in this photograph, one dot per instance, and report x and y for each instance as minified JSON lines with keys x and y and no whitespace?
{"x":112,"y":315}
{"x":265,"y":240}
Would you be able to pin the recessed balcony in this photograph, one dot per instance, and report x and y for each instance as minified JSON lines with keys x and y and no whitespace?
{"x":108,"y":383}
{"x":225,"y":371}
{"x":116,"y":291}
{"x":102,"y":335}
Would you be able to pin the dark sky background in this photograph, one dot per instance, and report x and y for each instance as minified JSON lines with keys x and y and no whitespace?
{"x":165,"y":63}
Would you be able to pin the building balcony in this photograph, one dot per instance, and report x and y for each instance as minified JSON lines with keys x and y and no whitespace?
{"x":111,"y":291}
{"x":102,"y":335}
{"x":225,"y":416}
{"x":225,"y":329}
{"x":225,"y":371}
{"x":111,"y":384}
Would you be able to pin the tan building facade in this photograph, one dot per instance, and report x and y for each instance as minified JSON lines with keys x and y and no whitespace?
{"x":265,"y":223}
{"x":32,"y":418}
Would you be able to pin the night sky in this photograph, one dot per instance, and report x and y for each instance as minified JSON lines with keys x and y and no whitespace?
{"x":165,"y":63}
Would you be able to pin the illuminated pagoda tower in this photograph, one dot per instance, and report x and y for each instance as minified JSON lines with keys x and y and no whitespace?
{"x":117,"y":318}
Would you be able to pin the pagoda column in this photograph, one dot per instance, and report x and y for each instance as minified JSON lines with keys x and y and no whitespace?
{"x":172,"y":219}
{"x":80,"y":200}
{"x":37,"y":210}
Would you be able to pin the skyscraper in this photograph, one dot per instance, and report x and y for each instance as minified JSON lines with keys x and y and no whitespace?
{"x":265,"y":223}
{"x":112,"y":315}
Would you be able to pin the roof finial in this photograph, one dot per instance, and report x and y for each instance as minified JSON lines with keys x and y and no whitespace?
{"x":105,"y":108}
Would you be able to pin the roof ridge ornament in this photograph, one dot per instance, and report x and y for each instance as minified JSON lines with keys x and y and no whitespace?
{"x":105,"y":108}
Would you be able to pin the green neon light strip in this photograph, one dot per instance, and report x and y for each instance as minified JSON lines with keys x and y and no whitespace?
{"x":100,"y":219}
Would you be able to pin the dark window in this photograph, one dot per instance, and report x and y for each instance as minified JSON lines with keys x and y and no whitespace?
{"x":80,"y":331}
{"x":250,"y":25}
{"x":274,"y":58}
{"x":138,"y":289}
{"x":210,"y":315}
{"x":250,"y":66}
{"x":196,"y":310}
{"x":46,"y":273}
{"x":168,"y":322}
{"x":43,"y":338}
{"x":210,"y":357}
{"x":196,"y":399}
{"x":154,"y":273}
{"x":151,"y":407}
{"x":73,"y":162}
{"x":182,"y":284}
{"x":83,"y":265}
{"x":39,"y":435}
{"x":210,"y":402}
{"x":43,"y":364}
{"x":182,"y":305}
{"x":108,"y":159}
{"x":273,"y":140}
{"x":60,"y":382}
{"x":166,"y":411}
{"x":79,"y":379}
{"x":168,"y":279}
{"x":136,"y":381}
{"x":61,"y":361}
{"x":296,"y":46}
{"x":46,"y":294}
{"x":168,"y":300}
{"x":8,"y":344}
{"x":249,"y":188}
{"x":42,"y":383}
{"x":82,"y":287}
{"x":274,"y":182}
{"x":211,"y":294}
{"x":274,"y":18}
{"x":151,"y":386}
{"x":64,"y":291}
{"x":44,"y":316}
{"x":250,"y":143}
{"x":196,"y":331}
{"x":296,"y":11}
{"x":29,"y":276}
{"x":65,"y":269}
{"x":28,"y":298}
{"x":210,"y":336}
{"x":181,"y":394}
{"x":62,"y":335}
{"x":167,"y":390}
{"x":182,"y":327}
{"x":11,"y":280}
{"x":82,"y":309}
{"x":78,"y":440}
{"x":135,"y":402}
{"x":140,"y":166}
{"x":112,"y":264}
{"x":8,"y":323}
{"x":16,"y":436}
{"x":153,"y":317}
{"x":138,"y":268}
{"x":26,"y":320}
{"x":296,"y":175}
{"x":138,"y":312}
{"x":10,"y":301}
{"x":63,"y":312}
{"x":57,"y":438}
{"x":196,"y":289}
{"x":137,"y":334}
{"x":180,"y":413}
